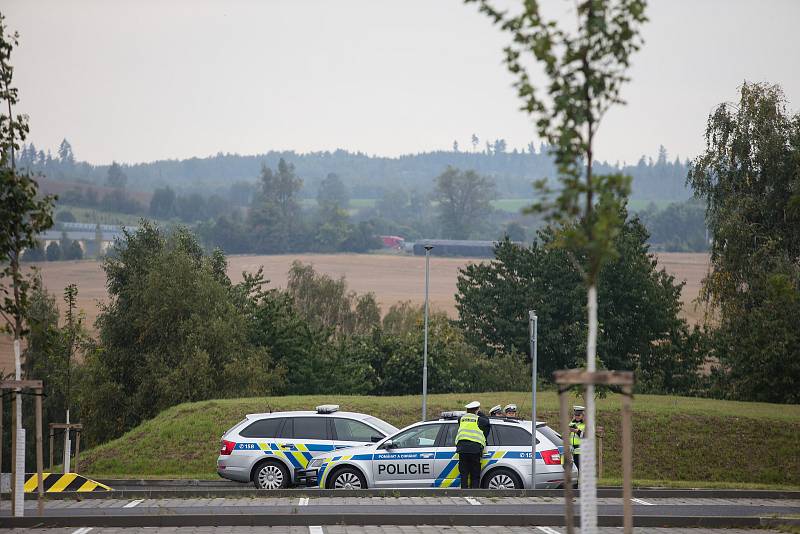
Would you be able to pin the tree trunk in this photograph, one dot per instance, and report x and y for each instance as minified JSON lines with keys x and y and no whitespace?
{"x":588,"y":473}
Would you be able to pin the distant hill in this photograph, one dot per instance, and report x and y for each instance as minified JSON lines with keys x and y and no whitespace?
{"x":366,"y":176}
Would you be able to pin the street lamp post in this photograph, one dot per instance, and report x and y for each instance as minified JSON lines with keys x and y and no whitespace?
{"x":425,"y":349}
{"x":534,"y":330}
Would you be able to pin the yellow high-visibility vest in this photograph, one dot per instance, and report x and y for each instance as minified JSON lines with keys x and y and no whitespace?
{"x":575,"y":440}
{"x":469,"y":430}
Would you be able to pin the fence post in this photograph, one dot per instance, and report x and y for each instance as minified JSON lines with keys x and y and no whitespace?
{"x":77,"y":447}
{"x":1,"y":436}
{"x":52,"y":437}
{"x":13,"y":453}
{"x":564,"y":419}
{"x":627,"y":468}
{"x":39,"y":455}
{"x":599,"y":433}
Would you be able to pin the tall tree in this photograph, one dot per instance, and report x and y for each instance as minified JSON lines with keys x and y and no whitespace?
{"x":275,"y":211}
{"x":162,"y":204}
{"x":586,"y":68}
{"x":116,"y":177}
{"x":749,"y":175}
{"x":173,"y":331}
{"x":332,"y":193}
{"x":24,"y":215}
{"x":464,"y":199}
{"x":65,"y":154}
{"x":639,"y":309}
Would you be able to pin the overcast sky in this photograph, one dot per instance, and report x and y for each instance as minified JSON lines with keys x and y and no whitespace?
{"x":143,"y":80}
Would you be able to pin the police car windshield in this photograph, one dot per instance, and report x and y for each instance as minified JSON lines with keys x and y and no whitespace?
{"x":383,"y":426}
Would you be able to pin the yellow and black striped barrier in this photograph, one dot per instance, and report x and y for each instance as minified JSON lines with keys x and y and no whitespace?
{"x":62,"y":482}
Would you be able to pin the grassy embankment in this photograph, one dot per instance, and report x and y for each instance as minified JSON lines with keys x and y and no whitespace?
{"x":678,"y":441}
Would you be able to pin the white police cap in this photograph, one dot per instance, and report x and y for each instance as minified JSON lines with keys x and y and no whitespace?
{"x":496,"y":409}
{"x":472,"y":405}
{"x":578,"y":408}
{"x":510,"y":408}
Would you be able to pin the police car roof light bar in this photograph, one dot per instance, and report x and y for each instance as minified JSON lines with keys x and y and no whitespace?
{"x":452,"y":415}
{"x":327,"y":408}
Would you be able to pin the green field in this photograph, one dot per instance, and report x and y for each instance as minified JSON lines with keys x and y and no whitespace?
{"x":510,"y":205}
{"x":90,"y":215}
{"x":359,"y":203}
{"x":515,"y":205}
{"x":677,"y":440}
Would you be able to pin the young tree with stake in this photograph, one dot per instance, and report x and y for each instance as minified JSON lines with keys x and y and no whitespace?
{"x":585,"y":68}
{"x":24,"y":215}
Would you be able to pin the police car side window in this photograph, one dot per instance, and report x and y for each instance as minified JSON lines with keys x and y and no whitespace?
{"x":450,"y":436}
{"x":287,"y":430}
{"x":351,"y":430}
{"x":263,"y":428}
{"x":420,"y":436}
{"x":310,"y":428}
{"x":509,"y":436}
{"x":452,"y":430}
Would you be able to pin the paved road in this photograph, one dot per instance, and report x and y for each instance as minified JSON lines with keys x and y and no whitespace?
{"x":376,"y":529}
{"x":444,"y":510}
{"x":445,"y":504}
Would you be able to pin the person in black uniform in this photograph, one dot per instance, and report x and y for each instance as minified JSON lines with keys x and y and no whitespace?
{"x":473,"y":427}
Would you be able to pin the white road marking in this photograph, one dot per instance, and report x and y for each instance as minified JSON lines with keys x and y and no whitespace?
{"x":315,"y":530}
{"x":303,"y":501}
{"x":473,"y":502}
{"x":82,"y":530}
{"x":640,"y":501}
{"x":131,"y":504}
{"x":548,"y":530}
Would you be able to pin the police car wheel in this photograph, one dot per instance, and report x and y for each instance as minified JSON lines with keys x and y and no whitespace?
{"x":502,"y":479}
{"x":271,"y":475}
{"x":348,"y":478}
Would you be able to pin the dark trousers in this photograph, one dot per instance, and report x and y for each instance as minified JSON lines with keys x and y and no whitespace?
{"x":577,"y":458}
{"x":469,"y":467}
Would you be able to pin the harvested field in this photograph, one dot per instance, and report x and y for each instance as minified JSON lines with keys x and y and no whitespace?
{"x":392,"y":278}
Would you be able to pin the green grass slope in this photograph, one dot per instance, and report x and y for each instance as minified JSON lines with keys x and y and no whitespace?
{"x":682,"y":440}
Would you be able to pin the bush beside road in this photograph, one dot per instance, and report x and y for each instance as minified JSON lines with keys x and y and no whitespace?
{"x":677,"y":440}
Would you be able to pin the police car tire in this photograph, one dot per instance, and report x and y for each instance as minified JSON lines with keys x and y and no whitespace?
{"x":347,"y":474}
{"x":272,"y":465}
{"x":502,"y":474}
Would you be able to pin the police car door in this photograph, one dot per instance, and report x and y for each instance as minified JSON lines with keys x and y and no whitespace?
{"x":302,"y":438}
{"x":446,"y":466}
{"x":409,"y":462}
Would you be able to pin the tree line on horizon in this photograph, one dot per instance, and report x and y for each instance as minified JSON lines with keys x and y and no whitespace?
{"x":456,"y":205}
{"x":366,"y":176}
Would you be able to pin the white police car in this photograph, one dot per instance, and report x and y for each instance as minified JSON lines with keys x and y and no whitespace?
{"x":424,"y":455}
{"x":268,"y":448}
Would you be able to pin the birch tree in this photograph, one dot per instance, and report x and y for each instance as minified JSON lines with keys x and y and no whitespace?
{"x":585,"y":67}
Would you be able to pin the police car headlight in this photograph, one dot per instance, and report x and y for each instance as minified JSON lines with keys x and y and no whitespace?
{"x":315,"y":463}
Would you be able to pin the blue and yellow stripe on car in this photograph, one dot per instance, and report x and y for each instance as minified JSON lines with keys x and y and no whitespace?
{"x":450,"y":475}
{"x":296,"y":454}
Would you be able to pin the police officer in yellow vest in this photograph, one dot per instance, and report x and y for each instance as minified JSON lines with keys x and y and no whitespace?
{"x":473,"y":427}
{"x":577,"y":429}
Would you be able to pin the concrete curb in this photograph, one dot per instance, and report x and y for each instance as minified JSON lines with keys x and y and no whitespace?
{"x":307,"y":519}
{"x":180,"y":482}
{"x":240,"y":491}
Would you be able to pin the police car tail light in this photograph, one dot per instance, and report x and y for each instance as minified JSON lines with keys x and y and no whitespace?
{"x":226,"y":447}
{"x":551,"y":457}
